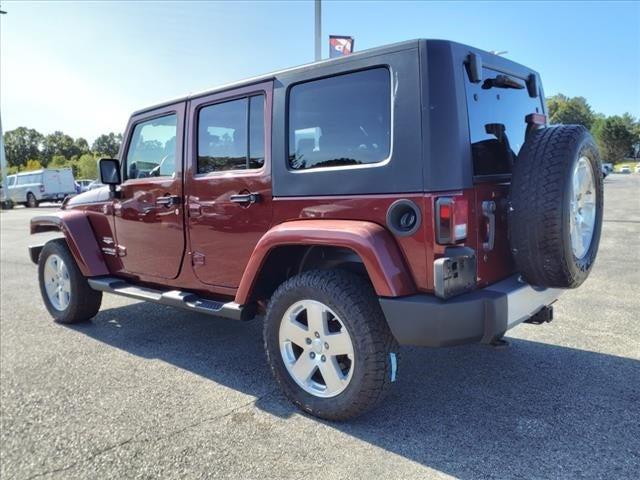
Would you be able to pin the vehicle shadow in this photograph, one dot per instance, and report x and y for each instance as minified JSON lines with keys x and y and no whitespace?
{"x":531,"y":409}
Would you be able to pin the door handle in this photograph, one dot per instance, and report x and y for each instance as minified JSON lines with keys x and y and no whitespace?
{"x":245,"y":198}
{"x":168,"y":201}
{"x":489,"y":212}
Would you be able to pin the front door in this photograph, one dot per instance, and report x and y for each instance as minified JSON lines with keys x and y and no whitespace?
{"x":149,"y":215}
{"x":228,"y":182}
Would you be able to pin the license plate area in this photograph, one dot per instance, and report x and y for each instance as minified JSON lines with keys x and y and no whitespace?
{"x":456,"y":273}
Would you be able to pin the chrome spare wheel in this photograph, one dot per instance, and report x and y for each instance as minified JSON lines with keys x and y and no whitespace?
{"x":316,"y":348}
{"x":583,"y":207}
{"x":57,"y":282}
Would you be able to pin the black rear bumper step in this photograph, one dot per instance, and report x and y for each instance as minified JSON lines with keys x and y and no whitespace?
{"x":173,"y":298}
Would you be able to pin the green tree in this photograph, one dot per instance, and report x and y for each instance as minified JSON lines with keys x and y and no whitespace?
{"x":58,"y":161}
{"x":566,"y":110}
{"x":616,"y":138}
{"x":21,"y":145}
{"x":81,"y":146}
{"x":57,"y":143}
{"x":87,"y":166}
{"x":107,"y":144}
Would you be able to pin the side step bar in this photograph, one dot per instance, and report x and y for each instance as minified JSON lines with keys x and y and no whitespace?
{"x":173,"y":298}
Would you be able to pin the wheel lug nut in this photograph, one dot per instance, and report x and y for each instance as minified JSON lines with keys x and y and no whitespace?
{"x":323,"y":358}
{"x":317,"y":335}
{"x":308,"y":340}
{"x":312,"y":355}
{"x":326,"y":346}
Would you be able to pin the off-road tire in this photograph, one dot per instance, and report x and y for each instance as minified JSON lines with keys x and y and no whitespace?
{"x":32,"y":201}
{"x":539,"y":213}
{"x":354,"y":301}
{"x":84,"y":301}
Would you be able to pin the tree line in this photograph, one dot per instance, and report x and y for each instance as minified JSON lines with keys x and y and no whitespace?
{"x":27,"y":149}
{"x":618,"y":136}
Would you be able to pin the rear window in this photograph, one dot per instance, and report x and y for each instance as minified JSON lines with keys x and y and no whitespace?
{"x":497,"y":125}
{"x":340,"y":121}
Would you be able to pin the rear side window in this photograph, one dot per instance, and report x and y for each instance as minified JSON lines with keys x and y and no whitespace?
{"x":340,"y":121}
{"x":231,"y":135}
{"x":28,"y":179}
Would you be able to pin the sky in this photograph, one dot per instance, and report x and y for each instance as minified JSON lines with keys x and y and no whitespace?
{"x":82,"y":67}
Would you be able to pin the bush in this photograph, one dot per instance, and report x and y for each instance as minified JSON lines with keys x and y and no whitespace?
{"x":32,"y":165}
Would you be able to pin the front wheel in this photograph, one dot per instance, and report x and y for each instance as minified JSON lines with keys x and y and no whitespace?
{"x":65,"y":291}
{"x":328,"y":344}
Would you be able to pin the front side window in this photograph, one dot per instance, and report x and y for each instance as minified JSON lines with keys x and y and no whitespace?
{"x":231,"y":135}
{"x":340,"y":121}
{"x":152,"y":150}
{"x":11,"y":181}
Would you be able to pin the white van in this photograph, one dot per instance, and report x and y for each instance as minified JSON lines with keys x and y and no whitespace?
{"x":48,"y":185}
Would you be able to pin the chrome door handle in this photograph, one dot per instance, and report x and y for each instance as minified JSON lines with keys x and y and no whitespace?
{"x":245,"y":198}
{"x":489,"y":212}
{"x":168,"y":201}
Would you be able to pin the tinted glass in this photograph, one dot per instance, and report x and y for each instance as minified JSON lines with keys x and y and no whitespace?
{"x":256,"y":131}
{"x":231,"y":135}
{"x":222,"y":137}
{"x":497,"y":120}
{"x":339,"y":121}
{"x":152,"y":150}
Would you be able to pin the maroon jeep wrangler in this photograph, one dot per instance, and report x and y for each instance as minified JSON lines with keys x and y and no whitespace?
{"x":406,"y":195}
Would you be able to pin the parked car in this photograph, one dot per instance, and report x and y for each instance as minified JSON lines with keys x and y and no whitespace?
{"x":607,"y":168}
{"x":637,"y":169}
{"x":50,"y":184}
{"x":625,"y":169}
{"x":407,"y":195}
{"x":84,"y":184}
{"x":95,"y":184}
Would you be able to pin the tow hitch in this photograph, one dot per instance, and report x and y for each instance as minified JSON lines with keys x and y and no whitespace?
{"x":544,"y":315}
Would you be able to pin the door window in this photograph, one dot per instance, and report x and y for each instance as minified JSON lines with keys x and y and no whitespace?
{"x":152,"y":150}
{"x":231,"y":135}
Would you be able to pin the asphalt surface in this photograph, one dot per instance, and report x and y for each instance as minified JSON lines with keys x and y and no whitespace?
{"x":145,"y":391}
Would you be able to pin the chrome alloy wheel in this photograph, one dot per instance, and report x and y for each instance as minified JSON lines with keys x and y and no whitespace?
{"x":316,"y":348}
{"x":583,"y":207}
{"x":57,"y":282}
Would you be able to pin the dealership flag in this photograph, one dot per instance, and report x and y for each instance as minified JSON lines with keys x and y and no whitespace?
{"x":340,"y":46}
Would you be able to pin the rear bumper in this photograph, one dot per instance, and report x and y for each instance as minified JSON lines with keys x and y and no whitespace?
{"x":479,"y":316}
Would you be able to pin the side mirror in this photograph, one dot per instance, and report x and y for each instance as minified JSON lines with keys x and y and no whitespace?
{"x":110,"y":172}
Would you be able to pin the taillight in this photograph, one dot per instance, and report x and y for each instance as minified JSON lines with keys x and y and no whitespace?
{"x":41,"y":188}
{"x":451,"y":220}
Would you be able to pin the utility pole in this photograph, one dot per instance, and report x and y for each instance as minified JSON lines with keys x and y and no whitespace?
{"x":318,"y":31}
{"x":5,"y":201}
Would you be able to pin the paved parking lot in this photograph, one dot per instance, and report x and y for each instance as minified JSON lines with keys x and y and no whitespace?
{"x":145,"y":391}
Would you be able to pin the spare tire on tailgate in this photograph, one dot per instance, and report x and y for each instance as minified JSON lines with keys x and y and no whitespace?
{"x":555,"y":214}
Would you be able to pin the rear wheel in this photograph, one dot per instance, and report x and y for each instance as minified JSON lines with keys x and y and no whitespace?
{"x":32,"y":201}
{"x":328,"y":344}
{"x":556,"y":207}
{"x":65,"y":291}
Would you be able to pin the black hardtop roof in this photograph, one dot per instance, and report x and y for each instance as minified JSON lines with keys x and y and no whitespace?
{"x":490,"y":59}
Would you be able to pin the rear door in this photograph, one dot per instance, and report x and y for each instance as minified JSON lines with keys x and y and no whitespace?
{"x":149,"y":215}
{"x":228,"y":181}
{"x":497,"y":108}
